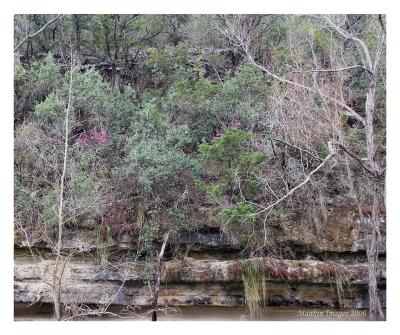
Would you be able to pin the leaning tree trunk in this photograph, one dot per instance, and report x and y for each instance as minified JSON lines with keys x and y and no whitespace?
{"x":155,"y":289}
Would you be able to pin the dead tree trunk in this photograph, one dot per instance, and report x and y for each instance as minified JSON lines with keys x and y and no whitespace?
{"x":373,"y":229}
{"x":375,"y":307}
{"x":155,"y":289}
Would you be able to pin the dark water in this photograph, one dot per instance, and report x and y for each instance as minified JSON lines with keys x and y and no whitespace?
{"x":207,"y":313}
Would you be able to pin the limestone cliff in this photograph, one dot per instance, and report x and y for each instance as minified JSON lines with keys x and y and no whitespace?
{"x":327,"y":269}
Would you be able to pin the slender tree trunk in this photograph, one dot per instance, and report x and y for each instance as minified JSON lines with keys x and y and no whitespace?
{"x":78,"y":33}
{"x":375,"y":307}
{"x":113,"y":75}
{"x":156,"y":287}
{"x":59,"y":268}
{"x":373,"y":231}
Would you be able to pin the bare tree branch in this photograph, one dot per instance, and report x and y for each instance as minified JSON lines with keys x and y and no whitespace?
{"x":296,"y":147}
{"x":379,"y":52}
{"x":59,"y":16}
{"x":305,"y":181}
{"x":359,"y":160}
{"x":350,"y":111}
{"x":347,"y":68}
{"x":243,"y":42}
{"x":349,"y":36}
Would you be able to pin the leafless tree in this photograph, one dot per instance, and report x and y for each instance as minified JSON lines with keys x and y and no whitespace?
{"x":60,"y":262}
{"x":243,"y":33}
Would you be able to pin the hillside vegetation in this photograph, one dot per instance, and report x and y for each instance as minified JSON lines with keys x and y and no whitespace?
{"x":138,"y":125}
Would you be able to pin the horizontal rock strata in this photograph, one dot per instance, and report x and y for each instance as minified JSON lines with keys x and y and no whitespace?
{"x":197,"y":282}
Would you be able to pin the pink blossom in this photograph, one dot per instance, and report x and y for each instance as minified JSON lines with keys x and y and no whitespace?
{"x":53,"y":139}
{"x":217,"y":133}
{"x":94,"y":136}
{"x":235,"y":124}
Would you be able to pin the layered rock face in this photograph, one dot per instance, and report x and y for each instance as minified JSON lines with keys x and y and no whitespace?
{"x":197,"y":282}
{"x":332,"y":273}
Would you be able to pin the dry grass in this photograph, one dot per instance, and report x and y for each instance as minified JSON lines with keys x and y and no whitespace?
{"x":342,"y":280}
{"x":254,"y":288}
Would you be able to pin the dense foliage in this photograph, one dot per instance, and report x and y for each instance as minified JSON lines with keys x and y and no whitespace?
{"x":169,"y":116}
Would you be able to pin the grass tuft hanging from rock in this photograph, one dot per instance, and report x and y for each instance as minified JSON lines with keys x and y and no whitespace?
{"x":254,"y":288}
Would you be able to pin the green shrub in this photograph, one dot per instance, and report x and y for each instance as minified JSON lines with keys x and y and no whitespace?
{"x":321,"y":148}
{"x":243,"y":97}
{"x":227,"y":149}
{"x":242,"y":212}
{"x":49,"y":108}
{"x":232,"y":152}
{"x":46,"y":75}
{"x":168,"y":64}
